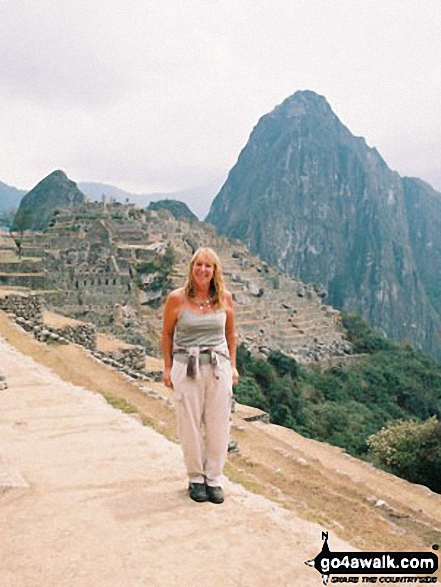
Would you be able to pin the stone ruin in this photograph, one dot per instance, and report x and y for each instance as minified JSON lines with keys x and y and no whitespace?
{"x":111,"y":265}
{"x":29,"y":312}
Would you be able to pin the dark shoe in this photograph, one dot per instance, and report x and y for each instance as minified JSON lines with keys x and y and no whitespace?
{"x":198,"y":492}
{"x":215,"y":494}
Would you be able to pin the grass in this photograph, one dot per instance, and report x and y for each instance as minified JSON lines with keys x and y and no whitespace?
{"x":120,"y":403}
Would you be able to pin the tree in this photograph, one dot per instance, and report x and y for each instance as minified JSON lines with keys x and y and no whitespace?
{"x":247,"y":392}
{"x":8,"y":219}
{"x":283,"y":364}
{"x":364,"y":339}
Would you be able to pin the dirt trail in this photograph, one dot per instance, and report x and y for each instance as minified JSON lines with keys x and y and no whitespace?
{"x":88,"y":496}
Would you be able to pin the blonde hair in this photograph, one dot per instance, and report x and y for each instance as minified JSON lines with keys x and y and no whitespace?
{"x":217,"y":284}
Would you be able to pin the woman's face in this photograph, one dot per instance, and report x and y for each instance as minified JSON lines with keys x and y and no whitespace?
{"x":203,"y":271}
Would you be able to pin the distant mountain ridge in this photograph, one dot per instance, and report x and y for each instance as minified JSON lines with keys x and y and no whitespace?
{"x":318,"y":202}
{"x":9,"y":197}
{"x":197,"y":199}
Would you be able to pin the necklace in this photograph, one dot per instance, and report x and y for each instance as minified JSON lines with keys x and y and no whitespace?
{"x":203,"y":303}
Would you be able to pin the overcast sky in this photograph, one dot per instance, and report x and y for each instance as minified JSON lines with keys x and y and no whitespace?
{"x":161,"y":95}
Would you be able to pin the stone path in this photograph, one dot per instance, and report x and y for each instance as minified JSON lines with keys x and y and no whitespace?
{"x":89,"y":497}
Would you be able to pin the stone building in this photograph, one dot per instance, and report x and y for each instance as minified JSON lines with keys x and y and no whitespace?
{"x":113,"y":264}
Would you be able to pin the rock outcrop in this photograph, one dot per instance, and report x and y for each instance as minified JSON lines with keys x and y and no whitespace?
{"x":423,"y":208}
{"x":37,"y":207}
{"x":316,"y":201}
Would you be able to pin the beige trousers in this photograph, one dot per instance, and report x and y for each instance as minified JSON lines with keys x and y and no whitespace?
{"x":203,"y":408}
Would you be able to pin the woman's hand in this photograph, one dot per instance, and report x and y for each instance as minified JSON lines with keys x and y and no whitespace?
{"x":166,"y":378}
{"x":235,"y":376}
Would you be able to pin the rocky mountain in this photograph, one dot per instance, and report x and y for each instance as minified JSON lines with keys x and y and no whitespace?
{"x":178,"y":209}
{"x":319,"y":203}
{"x":423,"y":207}
{"x":9,"y":197}
{"x":53,"y":192}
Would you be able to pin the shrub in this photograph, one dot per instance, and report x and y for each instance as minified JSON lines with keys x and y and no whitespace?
{"x":247,"y":392}
{"x":263,"y":373}
{"x":284,"y":391}
{"x":411,"y":450}
{"x":283,"y":364}
{"x":243,"y":359}
{"x":362,"y":337}
{"x":345,"y":404}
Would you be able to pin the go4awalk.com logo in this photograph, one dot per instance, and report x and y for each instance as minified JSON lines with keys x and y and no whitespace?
{"x":361,"y":565}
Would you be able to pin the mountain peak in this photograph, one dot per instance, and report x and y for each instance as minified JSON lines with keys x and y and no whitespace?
{"x":316,"y":201}
{"x":307,"y":96}
{"x":176,"y":207}
{"x":302,"y":103}
{"x":57,"y":174}
{"x":56,"y":190}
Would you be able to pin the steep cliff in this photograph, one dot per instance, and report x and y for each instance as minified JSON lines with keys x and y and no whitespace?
{"x":423,"y":205}
{"x":37,"y":206}
{"x":318,"y":202}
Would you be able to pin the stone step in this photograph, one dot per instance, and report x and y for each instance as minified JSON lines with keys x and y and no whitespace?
{"x":291,"y":344}
{"x":21,"y":266}
{"x":285,"y":335}
{"x":321,"y":335}
{"x":242,"y":312}
{"x":310,"y":315}
{"x":311,"y":324}
{"x":250,"y":327}
{"x":9,"y":276}
{"x":279,"y":312}
{"x":306,"y":324}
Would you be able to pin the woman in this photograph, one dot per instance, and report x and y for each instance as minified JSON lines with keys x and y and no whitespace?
{"x":199,"y":350}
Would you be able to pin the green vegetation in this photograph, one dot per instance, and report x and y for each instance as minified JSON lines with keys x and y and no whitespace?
{"x":347,"y":404}
{"x":159,"y":268}
{"x":7,"y":218}
{"x":364,"y":339}
{"x":135,"y":214}
{"x":120,"y":403}
{"x":177,"y":208}
{"x":411,"y":450}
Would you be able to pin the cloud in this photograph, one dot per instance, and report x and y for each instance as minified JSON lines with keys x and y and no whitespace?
{"x":92,"y":54}
{"x":48,"y":57}
{"x":161,"y":94}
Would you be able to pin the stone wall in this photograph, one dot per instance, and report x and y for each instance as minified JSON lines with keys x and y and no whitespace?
{"x":22,"y":266}
{"x":30,"y":280}
{"x":29,"y":307}
{"x":82,"y":334}
{"x":127,"y":359}
{"x":105,"y":256}
{"x":27,"y":311}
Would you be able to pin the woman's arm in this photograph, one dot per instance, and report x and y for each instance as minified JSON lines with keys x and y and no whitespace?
{"x":231,"y":335}
{"x":171,"y":312}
